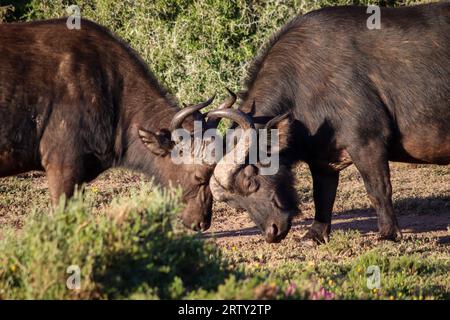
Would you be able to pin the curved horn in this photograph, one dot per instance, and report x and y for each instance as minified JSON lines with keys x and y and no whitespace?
{"x":241,"y":118}
{"x":277,"y":119}
{"x":252,"y":109}
{"x":214,"y":122}
{"x":231,"y":100}
{"x":226,"y":168}
{"x":181,"y":115}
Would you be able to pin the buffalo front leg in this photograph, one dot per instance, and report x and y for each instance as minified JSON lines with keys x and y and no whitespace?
{"x":325,"y":183}
{"x":62,"y":179}
{"x":372,"y":163}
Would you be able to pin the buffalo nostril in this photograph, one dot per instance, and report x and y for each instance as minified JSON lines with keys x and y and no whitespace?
{"x":272,"y":233}
{"x":274,"y":230}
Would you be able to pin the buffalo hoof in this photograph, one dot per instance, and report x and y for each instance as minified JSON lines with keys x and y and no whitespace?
{"x":390,"y":232}
{"x":318,"y":232}
{"x":393,"y":234}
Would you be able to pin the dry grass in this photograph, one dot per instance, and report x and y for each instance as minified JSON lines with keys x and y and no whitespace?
{"x":421,"y":199}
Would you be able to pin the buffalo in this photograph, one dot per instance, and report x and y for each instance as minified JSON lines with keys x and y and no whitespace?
{"x":341,"y":93}
{"x":74,"y":103}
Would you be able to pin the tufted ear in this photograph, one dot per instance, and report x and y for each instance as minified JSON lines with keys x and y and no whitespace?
{"x":159,"y":143}
{"x":283,"y":123}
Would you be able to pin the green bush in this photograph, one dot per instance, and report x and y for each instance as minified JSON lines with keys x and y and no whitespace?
{"x":132,"y":249}
{"x":195,"y":47}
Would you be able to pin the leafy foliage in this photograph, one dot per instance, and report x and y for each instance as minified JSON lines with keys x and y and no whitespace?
{"x":195,"y":47}
{"x":130,"y":249}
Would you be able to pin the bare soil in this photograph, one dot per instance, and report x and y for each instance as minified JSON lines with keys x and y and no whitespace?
{"x":421,"y":197}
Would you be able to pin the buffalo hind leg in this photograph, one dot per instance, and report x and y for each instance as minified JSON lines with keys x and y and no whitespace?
{"x":62,"y":180}
{"x":325,"y":183}
{"x":372,"y":163}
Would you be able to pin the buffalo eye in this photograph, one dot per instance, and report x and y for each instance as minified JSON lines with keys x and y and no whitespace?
{"x":200,"y":179}
{"x":278,"y":202}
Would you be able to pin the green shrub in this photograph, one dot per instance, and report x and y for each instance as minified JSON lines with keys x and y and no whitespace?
{"x":195,"y":47}
{"x":132,"y":249}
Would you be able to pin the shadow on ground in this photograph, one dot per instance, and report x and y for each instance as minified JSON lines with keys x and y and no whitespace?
{"x":415,"y":216}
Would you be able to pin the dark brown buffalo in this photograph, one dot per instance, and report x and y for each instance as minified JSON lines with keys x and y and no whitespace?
{"x":78,"y":102}
{"x":352,"y":95}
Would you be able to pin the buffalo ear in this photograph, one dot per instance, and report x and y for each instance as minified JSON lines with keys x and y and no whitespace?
{"x":159,"y":143}
{"x":283,"y":123}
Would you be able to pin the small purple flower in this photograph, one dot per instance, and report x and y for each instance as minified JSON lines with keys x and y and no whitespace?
{"x":322,"y":294}
{"x":290,"y":289}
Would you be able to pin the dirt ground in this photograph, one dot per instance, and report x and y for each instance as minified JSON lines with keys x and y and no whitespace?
{"x":421,"y":200}
{"x":421,"y":197}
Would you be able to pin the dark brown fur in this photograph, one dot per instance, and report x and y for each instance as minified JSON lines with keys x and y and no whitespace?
{"x":357,"y":96}
{"x":71,"y":103}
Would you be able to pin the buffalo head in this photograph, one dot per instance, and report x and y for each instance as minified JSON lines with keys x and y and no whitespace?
{"x":269,"y":199}
{"x":192,"y":176}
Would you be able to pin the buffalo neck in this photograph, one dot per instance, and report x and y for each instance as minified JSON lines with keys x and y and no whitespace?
{"x":145,"y":105}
